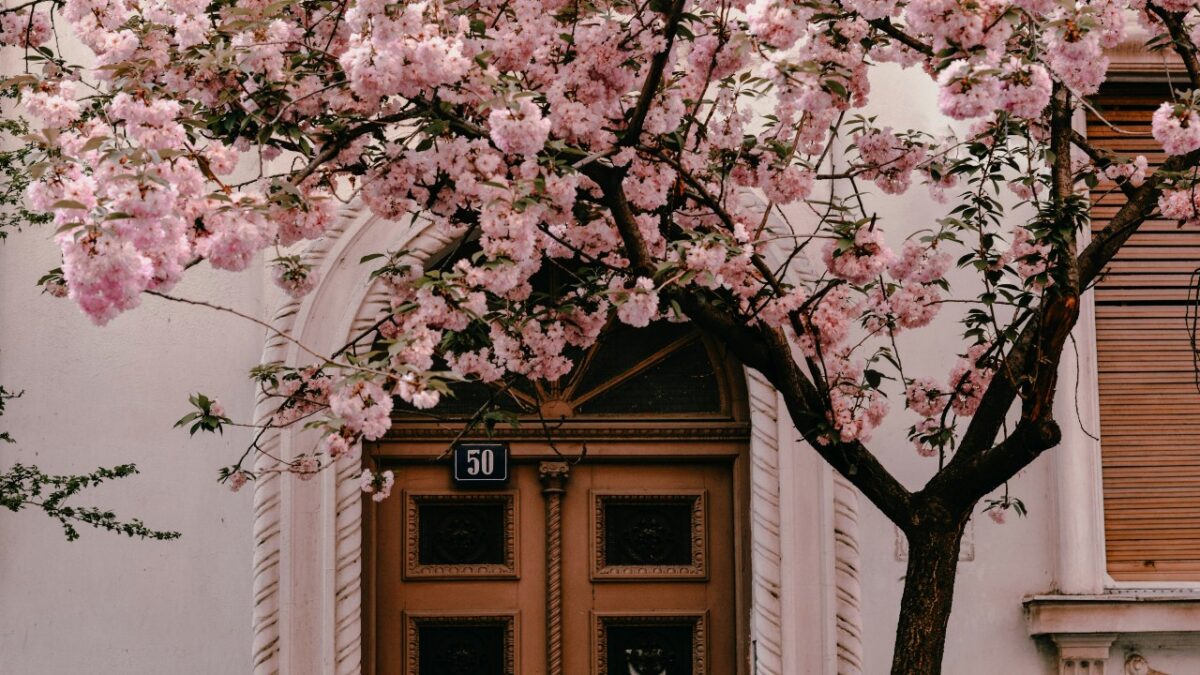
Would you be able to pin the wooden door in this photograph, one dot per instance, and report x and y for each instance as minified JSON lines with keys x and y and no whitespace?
{"x":648,"y":552}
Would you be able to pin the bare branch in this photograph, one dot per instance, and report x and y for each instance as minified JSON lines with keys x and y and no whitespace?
{"x":886,"y":26}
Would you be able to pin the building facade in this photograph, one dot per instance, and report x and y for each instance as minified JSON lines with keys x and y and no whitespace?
{"x":749,"y":556}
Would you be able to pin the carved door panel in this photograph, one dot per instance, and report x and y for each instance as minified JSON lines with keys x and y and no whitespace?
{"x":648,"y":573}
{"x":649,"y":569}
{"x":458,"y":576}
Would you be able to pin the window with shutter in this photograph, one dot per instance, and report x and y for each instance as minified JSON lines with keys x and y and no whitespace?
{"x":1149,"y":400}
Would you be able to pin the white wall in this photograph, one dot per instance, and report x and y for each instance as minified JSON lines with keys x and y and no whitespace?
{"x":103,"y":396}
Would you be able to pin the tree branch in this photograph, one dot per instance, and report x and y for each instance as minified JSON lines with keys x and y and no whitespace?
{"x":964,"y":482}
{"x":1031,"y":367}
{"x":654,"y":77}
{"x":768,"y":351}
{"x":1128,"y":219}
{"x":1180,"y":42}
{"x":1098,"y":158}
{"x":886,"y":26}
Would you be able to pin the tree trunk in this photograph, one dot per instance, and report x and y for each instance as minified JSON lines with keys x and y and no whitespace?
{"x":928,"y":594}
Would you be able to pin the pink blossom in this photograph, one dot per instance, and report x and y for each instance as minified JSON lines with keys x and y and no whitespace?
{"x":784,"y":186}
{"x":778,"y":310}
{"x":1024,"y":189}
{"x":522,"y":131}
{"x":1181,"y":205}
{"x":855,"y":411}
{"x":151,"y":122}
{"x":638,"y":306}
{"x":872,"y":9}
{"x":1134,"y":172}
{"x":1025,"y":89}
{"x":926,"y":397}
{"x":222,"y":159}
{"x":366,"y":481}
{"x":336,"y":445}
{"x":238,"y":480}
{"x":105,"y":276}
{"x":55,"y":288}
{"x":309,"y":221}
{"x":1177,"y":128}
{"x":965,"y":93}
{"x":648,"y":184}
{"x":306,"y":467}
{"x":1077,"y":59}
{"x":829,"y":321}
{"x":379,"y":487}
{"x":303,"y":394}
{"x":969,"y":380}
{"x":1176,"y":5}
{"x":921,"y":431}
{"x":25,"y":28}
{"x":862,"y":261}
{"x":54,"y":104}
{"x":957,"y":24}
{"x":232,"y":236}
{"x":887,"y":159}
{"x":1030,"y":256}
{"x":920,"y":263}
{"x":417,"y":393}
{"x":914,"y":305}
{"x":778,"y":24}
{"x":294,"y":277}
{"x":363,"y":407}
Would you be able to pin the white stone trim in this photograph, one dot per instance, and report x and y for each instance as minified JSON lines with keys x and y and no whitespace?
{"x":308,"y":557}
{"x":848,"y":607}
{"x":1124,"y":614}
{"x":766,"y":560}
{"x":1083,"y":654}
{"x":1080,"y":557}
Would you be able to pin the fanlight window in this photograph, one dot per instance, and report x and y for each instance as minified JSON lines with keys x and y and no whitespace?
{"x":663,"y":370}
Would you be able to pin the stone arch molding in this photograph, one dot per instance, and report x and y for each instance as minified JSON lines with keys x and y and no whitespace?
{"x":307,"y":535}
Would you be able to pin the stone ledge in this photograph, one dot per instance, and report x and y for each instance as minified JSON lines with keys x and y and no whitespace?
{"x":1123,"y":612}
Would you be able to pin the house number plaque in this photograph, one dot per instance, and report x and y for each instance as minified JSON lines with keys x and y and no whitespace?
{"x":479,"y":464}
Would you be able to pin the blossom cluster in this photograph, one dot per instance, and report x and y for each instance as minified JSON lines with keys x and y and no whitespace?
{"x":593,"y":164}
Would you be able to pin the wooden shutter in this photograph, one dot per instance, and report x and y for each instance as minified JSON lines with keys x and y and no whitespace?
{"x":1149,"y":405}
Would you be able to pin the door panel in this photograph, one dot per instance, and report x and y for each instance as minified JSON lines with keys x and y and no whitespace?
{"x":649,"y":565}
{"x":441,"y":567}
{"x":670,"y":599}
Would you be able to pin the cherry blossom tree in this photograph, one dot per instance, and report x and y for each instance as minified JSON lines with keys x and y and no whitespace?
{"x":649,"y":152}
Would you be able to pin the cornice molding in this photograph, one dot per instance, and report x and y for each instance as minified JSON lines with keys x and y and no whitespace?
{"x":733,"y":431}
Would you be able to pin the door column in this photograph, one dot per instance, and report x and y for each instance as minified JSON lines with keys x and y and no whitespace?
{"x":554,"y":485}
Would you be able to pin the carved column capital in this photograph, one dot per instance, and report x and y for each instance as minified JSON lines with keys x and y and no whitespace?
{"x":553,"y":476}
{"x":1083,"y":653}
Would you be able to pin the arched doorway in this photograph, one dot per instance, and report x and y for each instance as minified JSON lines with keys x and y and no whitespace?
{"x":313,"y":575}
{"x":619,"y":544}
